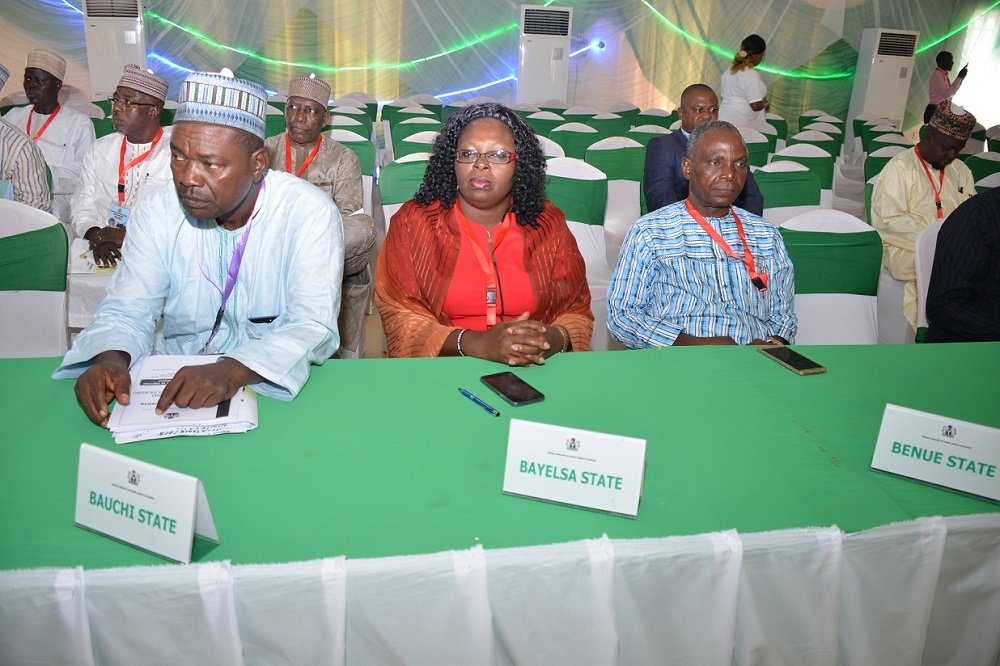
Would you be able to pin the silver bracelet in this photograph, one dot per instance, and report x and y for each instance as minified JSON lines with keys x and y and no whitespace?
{"x":458,"y":341}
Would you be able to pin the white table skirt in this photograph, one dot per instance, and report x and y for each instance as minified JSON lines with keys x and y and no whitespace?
{"x":924,"y":591}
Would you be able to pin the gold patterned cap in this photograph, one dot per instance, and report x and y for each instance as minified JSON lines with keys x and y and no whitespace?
{"x":311,"y":88}
{"x":952,"y":120}
{"x":144,"y":81}
{"x":50,"y":61}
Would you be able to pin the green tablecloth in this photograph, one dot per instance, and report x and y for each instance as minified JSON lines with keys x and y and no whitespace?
{"x":385,"y":457}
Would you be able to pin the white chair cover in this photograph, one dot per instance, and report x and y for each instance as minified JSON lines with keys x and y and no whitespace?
{"x":343,"y":134}
{"x":677,"y":596}
{"x":394,"y":604}
{"x":580,"y":110}
{"x":789,"y":603}
{"x":43,"y":618}
{"x":293,"y":613}
{"x":623,"y":207}
{"x":191,"y":607}
{"x":34,"y":322}
{"x":590,"y":239}
{"x":574,"y":582}
{"x":834,"y":318}
{"x":549,"y":147}
{"x":923,"y":259}
{"x":892,"y":325}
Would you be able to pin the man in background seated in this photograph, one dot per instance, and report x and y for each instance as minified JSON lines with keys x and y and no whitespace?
{"x":233,"y":260}
{"x":62,"y":134}
{"x":663,"y":180}
{"x":22,"y":167}
{"x":121,"y":168}
{"x":699,"y":272}
{"x":917,"y":187}
{"x":963,"y":301}
{"x":306,"y":153}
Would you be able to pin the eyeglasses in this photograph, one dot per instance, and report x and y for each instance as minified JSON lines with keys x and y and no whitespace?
{"x":493,"y":157}
{"x":126,"y":103}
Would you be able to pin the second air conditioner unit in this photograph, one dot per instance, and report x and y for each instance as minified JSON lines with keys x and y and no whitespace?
{"x":882,"y":77}
{"x":543,"y":53}
{"x":115,"y":37}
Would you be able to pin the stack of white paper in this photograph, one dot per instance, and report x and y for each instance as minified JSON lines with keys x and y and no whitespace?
{"x":139,"y":421}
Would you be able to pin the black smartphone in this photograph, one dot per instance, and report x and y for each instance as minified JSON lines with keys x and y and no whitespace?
{"x":512,"y":388}
{"x":792,"y":360}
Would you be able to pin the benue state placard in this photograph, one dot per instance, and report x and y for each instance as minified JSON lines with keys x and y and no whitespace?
{"x":578,"y":467}
{"x":938,"y":450}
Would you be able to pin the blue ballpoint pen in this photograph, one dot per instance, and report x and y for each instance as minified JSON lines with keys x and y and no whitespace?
{"x":479,"y":402}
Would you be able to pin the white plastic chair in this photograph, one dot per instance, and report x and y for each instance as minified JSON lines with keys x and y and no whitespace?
{"x":837,"y":318}
{"x":923,"y":259}
{"x":34,"y":320}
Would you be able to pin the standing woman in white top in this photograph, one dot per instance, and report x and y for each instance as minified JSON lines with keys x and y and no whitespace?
{"x":744,"y":95}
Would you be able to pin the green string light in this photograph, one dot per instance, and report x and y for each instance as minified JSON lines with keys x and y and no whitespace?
{"x":486,"y":36}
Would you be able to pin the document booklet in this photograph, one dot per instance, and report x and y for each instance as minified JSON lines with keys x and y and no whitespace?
{"x":938,"y":450}
{"x":570,"y":466}
{"x":149,"y":507}
{"x":139,"y":421}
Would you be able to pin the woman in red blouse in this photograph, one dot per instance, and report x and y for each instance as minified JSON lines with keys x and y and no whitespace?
{"x":478,"y":263}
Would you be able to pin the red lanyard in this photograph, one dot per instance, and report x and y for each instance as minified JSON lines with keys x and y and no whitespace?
{"x":124,"y":168}
{"x":946,"y":77}
{"x":930,"y":178}
{"x":486,"y":263}
{"x":45,"y":125}
{"x":305,"y":165}
{"x":759,"y":279}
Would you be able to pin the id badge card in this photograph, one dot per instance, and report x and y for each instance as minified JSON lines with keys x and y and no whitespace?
{"x":118,"y":215}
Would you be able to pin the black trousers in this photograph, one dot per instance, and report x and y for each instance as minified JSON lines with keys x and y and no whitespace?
{"x":928,"y":112}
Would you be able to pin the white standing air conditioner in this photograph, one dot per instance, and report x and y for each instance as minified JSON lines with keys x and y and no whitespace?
{"x":543,"y":53}
{"x":115,"y":38}
{"x":882,"y":77}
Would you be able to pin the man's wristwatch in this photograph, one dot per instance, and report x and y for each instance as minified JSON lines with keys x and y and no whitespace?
{"x":775,"y":340}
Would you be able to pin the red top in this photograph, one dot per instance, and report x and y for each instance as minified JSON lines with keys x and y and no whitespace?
{"x":465,"y":302}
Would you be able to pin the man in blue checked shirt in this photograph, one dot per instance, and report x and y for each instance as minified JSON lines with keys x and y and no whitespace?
{"x":700,"y":271}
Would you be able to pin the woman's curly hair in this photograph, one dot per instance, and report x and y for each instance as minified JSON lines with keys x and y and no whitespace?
{"x":529,"y":167}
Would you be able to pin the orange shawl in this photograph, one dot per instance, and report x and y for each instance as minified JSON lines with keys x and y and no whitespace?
{"x":416,"y":263}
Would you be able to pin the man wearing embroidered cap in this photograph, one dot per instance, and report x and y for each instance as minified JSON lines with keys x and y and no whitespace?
{"x":22,"y":166}
{"x":233,"y":260}
{"x":918,"y":187}
{"x":62,"y":134}
{"x":122,"y":168}
{"x":335,"y":169}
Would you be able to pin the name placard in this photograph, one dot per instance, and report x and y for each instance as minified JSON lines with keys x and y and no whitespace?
{"x":577,"y":467}
{"x":152,"y":508}
{"x":935,"y":449}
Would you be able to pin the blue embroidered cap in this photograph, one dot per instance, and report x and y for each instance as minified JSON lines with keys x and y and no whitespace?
{"x":221,"y":99}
